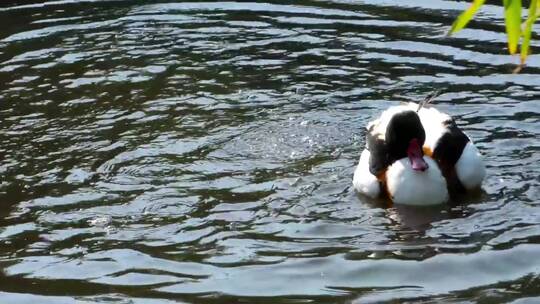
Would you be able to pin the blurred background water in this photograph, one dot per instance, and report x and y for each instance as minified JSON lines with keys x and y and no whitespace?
{"x":202,"y":152}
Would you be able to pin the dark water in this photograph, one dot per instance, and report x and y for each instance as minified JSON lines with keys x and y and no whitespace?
{"x":202,"y":152}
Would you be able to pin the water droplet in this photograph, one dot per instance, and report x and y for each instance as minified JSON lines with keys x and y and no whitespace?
{"x":233,"y":226}
{"x":295,"y":181}
{"x":336,"y":152}
{"x":101,"y":221}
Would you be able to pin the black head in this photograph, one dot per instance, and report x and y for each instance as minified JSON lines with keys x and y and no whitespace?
{"x":402,"y":128}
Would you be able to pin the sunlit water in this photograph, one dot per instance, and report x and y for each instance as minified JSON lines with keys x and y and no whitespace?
{"x":203,"y":153}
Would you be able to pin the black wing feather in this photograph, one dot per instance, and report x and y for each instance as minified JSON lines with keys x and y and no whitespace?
{"x":379,"y":158}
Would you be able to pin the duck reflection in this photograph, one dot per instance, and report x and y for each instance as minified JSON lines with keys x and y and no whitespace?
{"x":418,"y":218}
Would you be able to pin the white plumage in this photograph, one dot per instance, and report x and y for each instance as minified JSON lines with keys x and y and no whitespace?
{"x":470,"y":168}
{"x":433,"y":122}
{"x":410,"y":187}
{"x":363,"y":181}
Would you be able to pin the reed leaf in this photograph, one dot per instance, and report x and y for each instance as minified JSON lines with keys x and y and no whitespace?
{"x":531,"y":18}
{"x":512,"y":18}
{"x":465,"y":17}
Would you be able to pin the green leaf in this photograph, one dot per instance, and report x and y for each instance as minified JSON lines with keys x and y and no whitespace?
{"x":512,"y":18}
{"x":528,"y":30}
{"x":466,"y":16}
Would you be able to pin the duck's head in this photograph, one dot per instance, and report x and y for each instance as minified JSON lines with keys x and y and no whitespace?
{"x":405,"y":137}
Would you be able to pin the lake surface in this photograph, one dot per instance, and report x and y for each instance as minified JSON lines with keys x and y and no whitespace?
{"x":202,"y":152}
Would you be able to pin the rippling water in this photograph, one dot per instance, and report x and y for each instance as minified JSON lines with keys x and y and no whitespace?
{"x":203,"y":152}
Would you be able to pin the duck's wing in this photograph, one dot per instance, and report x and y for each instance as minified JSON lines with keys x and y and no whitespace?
{"x":363,"y":181}
{"x":372,"y":163}
{"x":458,"y":158}
{"x":470,"y":168}
{"x":450,"y":145}
{"x":377,"y":148}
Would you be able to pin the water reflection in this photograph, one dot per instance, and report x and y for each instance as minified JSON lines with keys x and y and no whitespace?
{"x":418,"y":218}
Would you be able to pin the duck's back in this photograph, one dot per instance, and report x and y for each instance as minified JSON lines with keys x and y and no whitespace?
{"x":457,"y":156}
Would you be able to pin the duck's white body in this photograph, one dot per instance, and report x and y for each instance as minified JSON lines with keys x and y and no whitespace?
{"x":411,"y":187}
{"x":470,"y":168}
{"x":403,"y":184}
{"x":408,"y":187}
{"x":363,"y":181}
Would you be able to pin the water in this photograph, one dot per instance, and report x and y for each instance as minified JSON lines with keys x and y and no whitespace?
{"x":203,"y":152}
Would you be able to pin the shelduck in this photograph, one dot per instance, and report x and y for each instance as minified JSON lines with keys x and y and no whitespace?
{"x":417,"y":155}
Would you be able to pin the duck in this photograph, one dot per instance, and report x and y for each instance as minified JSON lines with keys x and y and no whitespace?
{"x":417,"y":155}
